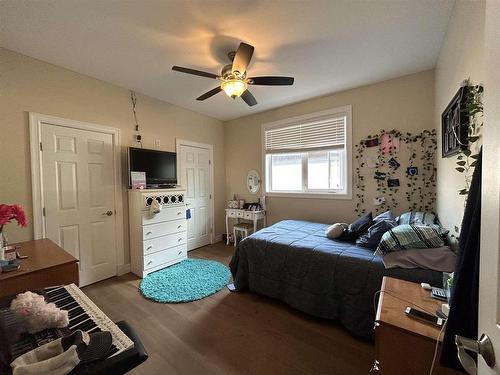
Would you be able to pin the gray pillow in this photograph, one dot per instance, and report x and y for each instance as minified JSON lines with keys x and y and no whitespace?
{"x":372,"y":237}
{"x":440,"y":259}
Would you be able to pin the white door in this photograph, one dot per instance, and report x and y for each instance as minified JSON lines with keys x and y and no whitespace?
{"x":489,"y":290}
{"x":194,"y":176}
{"x":78,"y":191}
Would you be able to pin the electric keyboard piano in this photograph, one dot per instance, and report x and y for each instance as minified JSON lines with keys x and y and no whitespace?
{"x":127,"y":350}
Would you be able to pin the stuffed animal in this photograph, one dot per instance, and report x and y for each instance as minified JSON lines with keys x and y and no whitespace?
{"x":336,"y":230}
{"x":37,"y":314}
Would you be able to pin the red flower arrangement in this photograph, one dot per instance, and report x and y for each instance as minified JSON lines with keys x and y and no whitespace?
{"x":9,"y":212}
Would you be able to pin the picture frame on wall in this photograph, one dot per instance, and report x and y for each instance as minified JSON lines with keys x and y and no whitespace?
{"x":454,"y":124}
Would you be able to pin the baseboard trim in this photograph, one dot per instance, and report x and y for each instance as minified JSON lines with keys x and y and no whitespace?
{"x":122,"y":269}
{"x":218,"y":238}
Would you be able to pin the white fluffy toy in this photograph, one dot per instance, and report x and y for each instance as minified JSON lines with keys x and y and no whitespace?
{"x":37,"y":314}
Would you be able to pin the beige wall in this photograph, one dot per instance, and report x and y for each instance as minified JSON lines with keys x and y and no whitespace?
{"x":405,"y":103}
{"x":28,"y":85}
{"x":461,"y":57}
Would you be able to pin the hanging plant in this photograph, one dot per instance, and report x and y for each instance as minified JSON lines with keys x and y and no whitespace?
{"x":466,"y":160}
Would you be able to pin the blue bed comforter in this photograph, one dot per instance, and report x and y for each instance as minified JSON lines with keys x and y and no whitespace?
{"x":295,"y":262}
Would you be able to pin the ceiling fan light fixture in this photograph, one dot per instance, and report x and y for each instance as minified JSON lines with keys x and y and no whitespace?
{"x":234,"y":88}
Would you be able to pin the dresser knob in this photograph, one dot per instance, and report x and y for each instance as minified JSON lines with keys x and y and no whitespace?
{"x":149,"y":247}
{"x":150,"y":262}
{"x":179,"y":226}
{"x":147,"y":234}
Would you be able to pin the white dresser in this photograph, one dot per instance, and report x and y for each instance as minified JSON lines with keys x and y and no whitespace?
{"x":156,"y":240}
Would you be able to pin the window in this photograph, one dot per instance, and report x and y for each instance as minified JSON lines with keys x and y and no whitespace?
{"x":309,"y":155}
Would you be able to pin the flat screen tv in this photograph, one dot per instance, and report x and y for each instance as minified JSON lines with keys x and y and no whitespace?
{"x":160,"y":166}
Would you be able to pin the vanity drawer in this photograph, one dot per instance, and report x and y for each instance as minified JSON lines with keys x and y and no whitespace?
{"x":239,"y":213}
{"x":162,"y":229}
{"x":164,"y":242}
{"x":164,"y":256}
{"x":248,"y":215}
{"x":167,"y":214}
{"x":231,"y":213}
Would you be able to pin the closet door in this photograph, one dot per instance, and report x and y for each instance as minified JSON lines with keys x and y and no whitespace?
{"x":78,"y":186}
{"x":194,"y":176}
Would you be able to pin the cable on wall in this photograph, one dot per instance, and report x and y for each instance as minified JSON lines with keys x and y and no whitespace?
{"x":137,"y":136}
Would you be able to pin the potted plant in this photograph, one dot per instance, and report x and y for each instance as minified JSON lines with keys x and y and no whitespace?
{"x":9,"y":212}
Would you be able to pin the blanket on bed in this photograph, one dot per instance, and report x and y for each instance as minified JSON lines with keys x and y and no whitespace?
{"x":295,"y":262}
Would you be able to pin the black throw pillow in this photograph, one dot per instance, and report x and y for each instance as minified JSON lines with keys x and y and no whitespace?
{"x":358,"y":227}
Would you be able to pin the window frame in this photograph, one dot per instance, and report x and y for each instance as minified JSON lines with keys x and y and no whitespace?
{"x":315,"y":194}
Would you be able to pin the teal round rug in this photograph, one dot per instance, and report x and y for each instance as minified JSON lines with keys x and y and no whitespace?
{"x":189,"y":280}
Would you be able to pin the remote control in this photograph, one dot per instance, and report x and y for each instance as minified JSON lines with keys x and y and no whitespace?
{"x":439,"y":293}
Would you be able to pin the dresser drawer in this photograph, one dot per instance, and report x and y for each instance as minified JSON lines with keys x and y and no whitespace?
{"x":164,"y":242}
{"x":164,"y":256}
{"x":231,"y":213}
{"x":248,"y":215}
{"x":239,"y":213}
{"x":162,"y":229}
{"x":167,"y":214}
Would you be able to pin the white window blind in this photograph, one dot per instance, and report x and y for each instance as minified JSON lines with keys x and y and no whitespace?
{"x":318,"y":134}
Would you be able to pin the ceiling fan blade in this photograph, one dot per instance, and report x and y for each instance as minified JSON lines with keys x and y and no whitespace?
{"x":194,"y":71}
{"x":249,"y":98}
{"x":210,"y":93}
{"x":271,"y":81}
{"x":242,"y":58}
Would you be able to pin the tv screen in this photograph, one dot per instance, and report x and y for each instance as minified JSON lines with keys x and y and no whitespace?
{"x":160,"y":166}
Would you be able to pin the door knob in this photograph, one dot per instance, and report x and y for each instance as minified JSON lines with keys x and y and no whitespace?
{"x":482,"y":347}
{"x":107,"y":213}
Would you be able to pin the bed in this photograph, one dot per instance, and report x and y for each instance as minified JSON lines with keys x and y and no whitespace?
{"x":295,"y":262}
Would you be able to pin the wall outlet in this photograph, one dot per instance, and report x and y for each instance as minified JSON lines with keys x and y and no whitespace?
{"x":157,"y":143}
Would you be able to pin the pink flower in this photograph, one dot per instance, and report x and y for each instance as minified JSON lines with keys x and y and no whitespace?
{"x":12,"y":212}
{"x":19,"y":215}
{"x":5,"y":214}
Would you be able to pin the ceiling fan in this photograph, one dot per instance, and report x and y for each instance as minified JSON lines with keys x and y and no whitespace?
{"x":234,"y":77}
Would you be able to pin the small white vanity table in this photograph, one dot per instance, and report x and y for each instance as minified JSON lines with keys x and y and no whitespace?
{"x":254,"y":216}
{"x":253,"y":186}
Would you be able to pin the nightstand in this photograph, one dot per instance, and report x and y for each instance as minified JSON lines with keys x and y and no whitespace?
{"x":404,"y":345}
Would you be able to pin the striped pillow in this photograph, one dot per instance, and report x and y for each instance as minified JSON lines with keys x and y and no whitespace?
{"x":408,"y":236}
{"x":415,"y":217}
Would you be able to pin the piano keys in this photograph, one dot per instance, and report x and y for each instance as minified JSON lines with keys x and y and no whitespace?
{"x":86,"y":316}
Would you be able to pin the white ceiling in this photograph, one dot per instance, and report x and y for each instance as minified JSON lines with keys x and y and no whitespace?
{"x":327,"y":46}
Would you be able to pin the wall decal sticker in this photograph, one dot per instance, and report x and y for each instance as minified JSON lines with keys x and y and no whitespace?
{"x":412,"y":171}
{"x":393,"y":182}
{"x":394,"y":164}
{"x":371,"y":142}
{"x":378,"y":201}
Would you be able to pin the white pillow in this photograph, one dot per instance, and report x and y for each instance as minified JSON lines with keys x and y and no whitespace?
{"x":336,"y":230}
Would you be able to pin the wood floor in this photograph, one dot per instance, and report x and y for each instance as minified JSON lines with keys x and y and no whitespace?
{"x":230,"y":333}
